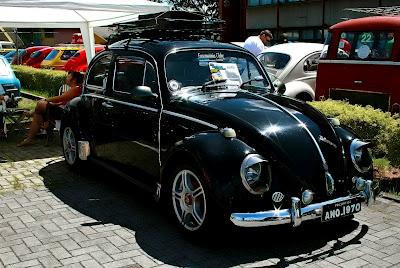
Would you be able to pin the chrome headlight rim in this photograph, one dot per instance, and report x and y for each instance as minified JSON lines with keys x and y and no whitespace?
{"x":357,"y":144}
{"x":251,"y":160}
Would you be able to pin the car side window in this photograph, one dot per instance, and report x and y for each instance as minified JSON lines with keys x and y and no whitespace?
{"x":98,"y":73}
{"x":131,"y":72}
{"x":150,"y":77}
{"x":311,"y":63}
{"x":67,"y":54}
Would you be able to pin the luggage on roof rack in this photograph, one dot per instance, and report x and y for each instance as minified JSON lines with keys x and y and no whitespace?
{"x":175,"y":25}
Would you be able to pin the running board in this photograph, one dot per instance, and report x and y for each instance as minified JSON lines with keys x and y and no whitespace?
{"x":138,"y":183}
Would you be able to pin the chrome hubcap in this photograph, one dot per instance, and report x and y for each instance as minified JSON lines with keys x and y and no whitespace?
{"x":189,"y":200}
{"x":69,"y":145}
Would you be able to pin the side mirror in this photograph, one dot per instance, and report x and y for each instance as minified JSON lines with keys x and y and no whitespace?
{"x":280,"y":87}
{"x":142,"y":93}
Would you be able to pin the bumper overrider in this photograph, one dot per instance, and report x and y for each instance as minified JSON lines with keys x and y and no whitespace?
{"x":296,"y":214}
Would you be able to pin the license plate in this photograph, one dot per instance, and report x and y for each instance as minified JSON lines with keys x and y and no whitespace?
{"x":340,"y":209}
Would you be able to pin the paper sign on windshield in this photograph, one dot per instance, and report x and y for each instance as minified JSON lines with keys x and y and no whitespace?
{"x":228,"y":71}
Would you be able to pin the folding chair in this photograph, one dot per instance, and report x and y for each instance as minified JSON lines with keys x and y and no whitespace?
{"x":11,"y":119}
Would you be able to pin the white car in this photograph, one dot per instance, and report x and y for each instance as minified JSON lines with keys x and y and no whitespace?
{"x":295,"y":65}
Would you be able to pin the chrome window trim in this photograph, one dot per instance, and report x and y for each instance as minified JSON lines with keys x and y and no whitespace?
{"x":359,"y":62}
{"x":122,"y":102}
{"x":191,"y":119}
{"x":95,"y":87}
{"x":217,"y":49}
{"x":115,"y":69}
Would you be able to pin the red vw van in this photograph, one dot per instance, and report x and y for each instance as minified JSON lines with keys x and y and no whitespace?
{"x":360,"y":62}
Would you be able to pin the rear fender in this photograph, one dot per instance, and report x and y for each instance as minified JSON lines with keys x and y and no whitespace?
{"x":72,"y":114}
{"x":295,"y":88}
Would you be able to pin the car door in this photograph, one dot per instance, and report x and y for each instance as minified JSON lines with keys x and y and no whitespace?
{"x":136,"y":118}
{"x":98,"y":105}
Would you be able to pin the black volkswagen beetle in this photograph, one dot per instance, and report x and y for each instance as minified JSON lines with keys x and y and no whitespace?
{"x":200,"y":125}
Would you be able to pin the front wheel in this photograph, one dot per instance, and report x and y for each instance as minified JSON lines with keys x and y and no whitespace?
{"x":190,"y":200}
{"x":70,"y":146}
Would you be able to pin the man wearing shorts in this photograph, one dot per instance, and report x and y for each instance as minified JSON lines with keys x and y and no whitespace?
{"x":50,"y":109}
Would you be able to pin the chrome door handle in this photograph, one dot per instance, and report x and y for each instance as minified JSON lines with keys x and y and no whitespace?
{"x":107,"y":105}
{"x":358,"y":82}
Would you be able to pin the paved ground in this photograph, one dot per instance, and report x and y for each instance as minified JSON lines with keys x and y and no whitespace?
{"x":51,"y":217}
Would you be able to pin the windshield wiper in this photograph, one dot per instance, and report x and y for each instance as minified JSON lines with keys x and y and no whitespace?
{"x":212,"y":83}
{"x":257,"y":78}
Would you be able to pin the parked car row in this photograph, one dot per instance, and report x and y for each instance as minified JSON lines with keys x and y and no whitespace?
{"x":55,"y":58}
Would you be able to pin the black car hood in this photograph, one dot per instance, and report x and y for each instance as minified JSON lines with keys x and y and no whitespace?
{"x":289,"y":134}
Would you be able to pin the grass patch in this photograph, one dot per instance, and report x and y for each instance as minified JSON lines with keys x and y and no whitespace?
{"x":27,"y":104}
{"x":381,"y":164}
{"x":37,"y":92}
{"x":17,"y":185}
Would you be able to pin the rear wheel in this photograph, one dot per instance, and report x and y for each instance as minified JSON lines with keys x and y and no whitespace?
{"x":304,"y":96}
{"x":70,"y":146}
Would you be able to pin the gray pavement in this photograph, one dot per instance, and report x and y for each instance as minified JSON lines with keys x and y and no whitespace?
{"x":53,"y":217}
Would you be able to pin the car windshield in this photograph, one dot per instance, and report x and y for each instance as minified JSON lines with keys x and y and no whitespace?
{"x":275,"y":60}
{"x":67,"y":54}
{"x":10,"y":54}
{"x":4,"y":68}
{"x":77,"y":54}
{"x":202,"y":68}
{"x":52,"y":54}
{"x":36,"y":54}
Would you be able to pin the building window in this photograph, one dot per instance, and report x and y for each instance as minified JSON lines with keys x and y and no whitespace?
{"x":270,"y":2}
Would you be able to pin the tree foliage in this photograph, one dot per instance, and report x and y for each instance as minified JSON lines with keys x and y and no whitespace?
{"x":208,"y":8}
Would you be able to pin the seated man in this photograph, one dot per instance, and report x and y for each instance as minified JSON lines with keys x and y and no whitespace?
{"x":50,"y":109}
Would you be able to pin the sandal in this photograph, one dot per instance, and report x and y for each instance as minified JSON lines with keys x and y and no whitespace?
{"x":25,"y":142}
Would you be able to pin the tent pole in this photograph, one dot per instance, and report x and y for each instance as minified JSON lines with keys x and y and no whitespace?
{"x":88,"y":41}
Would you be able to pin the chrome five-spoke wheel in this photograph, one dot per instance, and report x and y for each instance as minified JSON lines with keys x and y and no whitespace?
{"x":189,"y":200}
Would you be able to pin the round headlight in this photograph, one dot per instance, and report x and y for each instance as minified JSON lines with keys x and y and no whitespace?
{"x":360,"y":155}
{"x":256,"y":174}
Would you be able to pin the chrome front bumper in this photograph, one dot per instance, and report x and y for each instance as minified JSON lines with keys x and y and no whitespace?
{"x":296,"y":214}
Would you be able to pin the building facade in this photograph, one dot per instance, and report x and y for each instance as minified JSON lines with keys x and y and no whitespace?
{"x":295,"y":20}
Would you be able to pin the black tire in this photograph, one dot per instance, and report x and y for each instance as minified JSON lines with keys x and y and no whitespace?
{"x":190,"y":204}
{"x":304,"y":96}
{"x":69,"y":142}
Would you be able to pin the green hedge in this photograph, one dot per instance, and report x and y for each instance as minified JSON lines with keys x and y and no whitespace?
{"x":40,"y":80}
{"x":368,"y":123}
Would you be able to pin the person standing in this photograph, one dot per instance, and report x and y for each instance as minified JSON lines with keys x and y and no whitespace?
{"x":256,"y":44}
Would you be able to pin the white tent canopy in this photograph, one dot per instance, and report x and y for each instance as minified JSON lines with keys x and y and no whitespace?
{"x":82,"y":14}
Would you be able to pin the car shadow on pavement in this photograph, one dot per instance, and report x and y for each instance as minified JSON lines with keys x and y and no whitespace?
{"x":106,"y":199}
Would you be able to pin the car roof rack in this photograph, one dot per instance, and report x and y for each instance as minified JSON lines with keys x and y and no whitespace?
{"x":169,"y":25}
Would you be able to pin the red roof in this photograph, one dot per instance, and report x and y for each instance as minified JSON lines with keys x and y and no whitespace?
{"x":369,"y":23}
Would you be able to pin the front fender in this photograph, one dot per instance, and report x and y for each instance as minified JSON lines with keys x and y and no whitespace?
{"x":219,"y":159}
{"x":347,"y":135}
